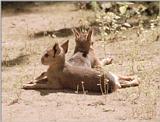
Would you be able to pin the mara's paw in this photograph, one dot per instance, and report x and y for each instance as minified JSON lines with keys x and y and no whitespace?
{"x":135,"y":81}
{"x":107,"y":61}
{"x":28,"y":85}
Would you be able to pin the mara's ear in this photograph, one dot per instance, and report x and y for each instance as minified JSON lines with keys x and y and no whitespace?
{"x":89,"y":34}
{"x":56,"y":49}
{"x":76,"y":33}
{"x":65,"y":46}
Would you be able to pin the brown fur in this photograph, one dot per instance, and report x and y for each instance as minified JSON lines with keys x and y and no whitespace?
{"x":62,"y":75}
{"x":84,"y":45}
{"x":84,"y":55}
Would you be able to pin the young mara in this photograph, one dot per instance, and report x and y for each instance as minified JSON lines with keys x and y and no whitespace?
{"x":63,"y":75}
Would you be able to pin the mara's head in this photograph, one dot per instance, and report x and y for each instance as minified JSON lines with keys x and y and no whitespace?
{"x":83,"y":40}
{"x":55,"y":54}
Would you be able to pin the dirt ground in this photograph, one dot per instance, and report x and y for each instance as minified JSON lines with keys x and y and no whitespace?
{"x":22,"y":50}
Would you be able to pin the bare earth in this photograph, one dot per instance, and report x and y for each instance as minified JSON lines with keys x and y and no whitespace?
{"x":132,"y":54}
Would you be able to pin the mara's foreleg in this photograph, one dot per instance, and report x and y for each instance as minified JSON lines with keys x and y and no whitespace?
{"x":40,"y":79}
{"x":44,"y":74}
{"x":42,"y":84}
{"x":106,"y":61}
{"x":36,"y":86}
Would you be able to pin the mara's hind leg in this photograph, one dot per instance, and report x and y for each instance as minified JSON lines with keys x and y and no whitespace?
{"x":129,"y":83}
{"x":126,"y":78}
{"x":114,"y":81}
{"x":122,"y":81}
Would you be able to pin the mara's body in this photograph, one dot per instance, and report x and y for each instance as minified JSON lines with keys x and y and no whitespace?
{"x":71,"y":77}
{"x":79,"y":60}
{"x":63,"y":75}
{"x":84,"y":54}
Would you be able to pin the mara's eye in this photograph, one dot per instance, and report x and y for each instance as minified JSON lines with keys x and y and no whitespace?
{"x":46,"y":55}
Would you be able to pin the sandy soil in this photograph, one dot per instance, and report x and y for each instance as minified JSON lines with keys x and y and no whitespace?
{"x":21,"y":53}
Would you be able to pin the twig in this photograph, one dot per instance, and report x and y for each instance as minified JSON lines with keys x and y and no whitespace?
{"x":13,"y":102}
{"x":106,"y":86}
{"x":100,"y":85}
{"x":77,"y":89}
{"x":84,"y":92}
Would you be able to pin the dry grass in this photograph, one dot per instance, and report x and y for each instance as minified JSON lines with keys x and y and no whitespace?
{"x":138,"y":55}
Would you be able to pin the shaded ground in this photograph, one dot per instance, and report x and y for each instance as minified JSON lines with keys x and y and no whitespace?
{"x":133,"y":53}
